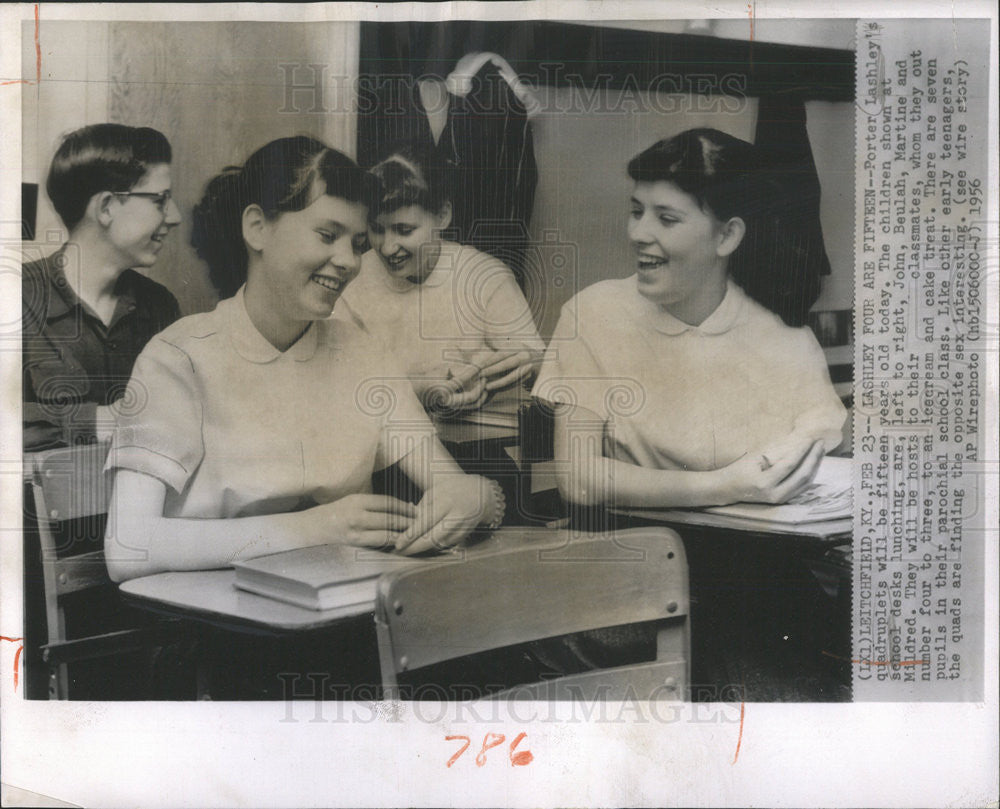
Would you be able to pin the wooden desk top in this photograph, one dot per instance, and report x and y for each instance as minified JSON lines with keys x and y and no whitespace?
{"x":211,"y":596}
{"x":828,"y":531}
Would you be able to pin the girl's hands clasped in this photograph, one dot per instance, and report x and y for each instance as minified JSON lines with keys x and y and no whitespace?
{"x":449,"y":389}
{"x":367,"y":520}
{"x":505,"y":367}
{"x":464,"y":386}
{"x":447,"y":513}
{"x":773,"y":476}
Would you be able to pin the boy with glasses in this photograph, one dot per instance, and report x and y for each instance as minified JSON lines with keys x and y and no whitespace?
{"x":86,"y":312}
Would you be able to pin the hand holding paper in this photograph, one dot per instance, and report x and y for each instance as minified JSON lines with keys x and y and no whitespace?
{"x":775,"y":474}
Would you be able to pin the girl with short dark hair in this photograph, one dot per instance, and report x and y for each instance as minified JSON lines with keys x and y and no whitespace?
{"x":454,"y":316}
{"x":674,"y":387}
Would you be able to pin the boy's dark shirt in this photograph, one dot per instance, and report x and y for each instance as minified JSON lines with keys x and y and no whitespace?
{"x":72,"y":362}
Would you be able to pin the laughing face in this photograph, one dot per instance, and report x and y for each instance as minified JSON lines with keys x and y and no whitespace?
{"x":407,"y":240}
{"x":142,"y":219}
{"x":309,"y":256}
{"x":681,"y":250}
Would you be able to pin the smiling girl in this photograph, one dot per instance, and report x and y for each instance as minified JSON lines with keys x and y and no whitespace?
{"x":262,"y":421}
{"x":454,"y":316}
{"x":673,"y":387}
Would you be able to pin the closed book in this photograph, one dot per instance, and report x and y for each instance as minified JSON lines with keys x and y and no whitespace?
{"x":319,"y":578}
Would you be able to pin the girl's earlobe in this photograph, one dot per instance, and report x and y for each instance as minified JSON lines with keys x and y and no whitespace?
{"x":254,"y":226}
{"x":444,"y":215}
{"x":733,"y":231}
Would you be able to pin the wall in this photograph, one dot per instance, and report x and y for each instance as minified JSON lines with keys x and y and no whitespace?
{"x":73,"y":93}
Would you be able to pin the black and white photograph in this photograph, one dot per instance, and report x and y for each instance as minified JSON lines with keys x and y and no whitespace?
{"x":523,"y":407}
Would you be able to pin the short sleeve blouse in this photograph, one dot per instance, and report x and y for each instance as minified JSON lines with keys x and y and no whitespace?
{"x":235,"y":427}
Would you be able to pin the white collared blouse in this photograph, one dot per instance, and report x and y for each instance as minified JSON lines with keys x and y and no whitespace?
{"x":236,"y":428}
{"x":674,"y":396}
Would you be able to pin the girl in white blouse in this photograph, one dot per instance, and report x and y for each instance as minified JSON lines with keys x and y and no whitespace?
{"x":674,"y":387}
{"x":257,"y":426}
{"x":453,"y":316}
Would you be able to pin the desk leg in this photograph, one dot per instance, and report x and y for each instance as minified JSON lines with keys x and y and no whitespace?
{"x":205,"y":661}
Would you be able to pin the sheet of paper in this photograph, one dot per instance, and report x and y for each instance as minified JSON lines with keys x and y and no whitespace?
{"x":827,"y":497}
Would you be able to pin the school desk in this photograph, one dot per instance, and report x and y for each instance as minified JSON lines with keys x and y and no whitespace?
{"x":210,"y":596}
{"x":827,"y":532}
{"x":250,"y":647}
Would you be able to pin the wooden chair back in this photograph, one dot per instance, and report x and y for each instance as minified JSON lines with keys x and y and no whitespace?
{"x":67,"y":485}
{"x":452,"y":608}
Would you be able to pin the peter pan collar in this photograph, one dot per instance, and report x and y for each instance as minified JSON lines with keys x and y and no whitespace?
{"x":253,"y":346}
{"x":720,"y":321}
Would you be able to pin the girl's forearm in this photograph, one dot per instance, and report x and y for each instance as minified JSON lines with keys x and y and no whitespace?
{"x":430,"y":465}
{"x":137,"y":545}
{"x":600,"y":481}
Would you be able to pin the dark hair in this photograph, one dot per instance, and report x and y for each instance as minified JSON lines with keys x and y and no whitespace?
{"x":412,"y":174}
{"x":727,"y":178}
{"x":713,"y":167}
{"x":101,"y":157}
{"x":279,"y":177}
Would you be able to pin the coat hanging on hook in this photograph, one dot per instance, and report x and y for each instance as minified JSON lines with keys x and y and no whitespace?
{"x":488,"y":141}
{"x":486,"y":137}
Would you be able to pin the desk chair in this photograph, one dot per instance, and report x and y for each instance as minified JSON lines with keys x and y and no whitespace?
{"x":456,"y":607}
{"x":69,"y":485}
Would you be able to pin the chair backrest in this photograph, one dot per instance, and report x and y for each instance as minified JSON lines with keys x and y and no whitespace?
{"x":68,"y":484}
{"x":83,"y":620}
{"x":72,"y":480}
{"x":452,"y":608}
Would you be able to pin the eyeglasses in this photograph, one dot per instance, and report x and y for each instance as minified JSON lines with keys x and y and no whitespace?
{"x":160,"y":198}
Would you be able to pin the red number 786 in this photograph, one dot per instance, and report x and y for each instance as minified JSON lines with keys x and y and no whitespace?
{"x":491,"y":740}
